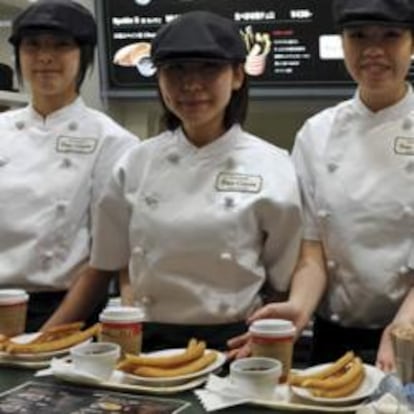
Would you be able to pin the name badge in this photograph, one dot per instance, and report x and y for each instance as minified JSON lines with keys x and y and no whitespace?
{"x":76,"y":145}
{"x":240,"y":183}
{"x":404,"y":145}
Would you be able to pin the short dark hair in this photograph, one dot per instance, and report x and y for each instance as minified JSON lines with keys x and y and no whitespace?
{"x":86,"y":60}
{"x":235,"y":113}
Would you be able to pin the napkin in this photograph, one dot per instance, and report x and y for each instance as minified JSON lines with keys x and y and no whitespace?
{"x":387,"y":404}
{"x":219,"y":393}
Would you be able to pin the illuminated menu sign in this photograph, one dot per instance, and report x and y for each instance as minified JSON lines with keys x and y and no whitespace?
{"x":291,"y":43}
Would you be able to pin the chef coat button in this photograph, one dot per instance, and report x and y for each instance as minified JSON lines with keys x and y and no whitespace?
{"x":332,"y":167}
{"x":331,"y":264}
{"x":73,"y":126}
{"x":151,"y":201}
{"x":403,"y":270}
{"x":173,"y":158}
{"x":19,"y":124}
{"x":229,"y":202}
{"x":226,"y":256}
{"x":138,"y":251}
{"x":323,"y":214}
{"x":66,"y":162}
{"x":407,"y":124}
{"x":223,"y":308}
{"x":230,"y":163}
{"x":334,"y":317}
{"x":410,"y":167}
{"x":147,"y":300}
{"x":3,"y":161}
{"x":47,"y":259}
{"x":61,"y":206}
{"x":408,"y":211}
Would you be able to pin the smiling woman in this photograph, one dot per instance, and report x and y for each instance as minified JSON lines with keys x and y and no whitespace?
{"x":57,"y":153}
{"x":50,"y":65}
{"x":355,"y":164}
{"x":205,"y":214}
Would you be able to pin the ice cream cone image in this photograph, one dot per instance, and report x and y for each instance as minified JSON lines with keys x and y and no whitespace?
{"x":258,"y":46}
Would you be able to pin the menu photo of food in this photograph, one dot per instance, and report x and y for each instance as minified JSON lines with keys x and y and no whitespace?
{"x":48,"y":398}
{"x":136,"y":55}
{"x":258,"y":47}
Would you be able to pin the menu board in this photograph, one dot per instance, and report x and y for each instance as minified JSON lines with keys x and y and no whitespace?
{"x":292,"y":45}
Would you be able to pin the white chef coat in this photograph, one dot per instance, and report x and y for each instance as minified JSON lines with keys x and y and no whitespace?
{"x":52,"y":170}
{"x":201,"y":228}
{"x":356,"y":170}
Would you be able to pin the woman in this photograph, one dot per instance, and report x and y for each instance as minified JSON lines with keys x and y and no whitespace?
{"x":205,"y":214}
{"x":355,"y":163}
{"x":55,"y":158}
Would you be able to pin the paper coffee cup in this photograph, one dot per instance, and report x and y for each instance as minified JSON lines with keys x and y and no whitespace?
{"x":13,"y":311}
{"x":122,"y":325}
{"x":273,"y":338}
{"x":403,"y":345}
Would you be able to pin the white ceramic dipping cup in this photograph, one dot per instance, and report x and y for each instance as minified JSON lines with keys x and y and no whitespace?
{"x":13,"y":311}
{"x":256,"y":376}
{"x":96,"y":358}
{"x":274,"y":338}
{"x":122,"y":325}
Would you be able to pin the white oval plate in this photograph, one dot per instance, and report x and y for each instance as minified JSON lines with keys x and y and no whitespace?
{"x":373,"y":376}
{"x":166,"y":381}
{"x":64,"y":370}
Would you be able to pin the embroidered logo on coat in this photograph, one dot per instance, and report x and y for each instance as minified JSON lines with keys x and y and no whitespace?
{"x":240,"y":183}
{"x":76,"y":145}
{"x":404,"y":145}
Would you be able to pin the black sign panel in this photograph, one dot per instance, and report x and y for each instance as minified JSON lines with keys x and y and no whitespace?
{"x":292,"y":44}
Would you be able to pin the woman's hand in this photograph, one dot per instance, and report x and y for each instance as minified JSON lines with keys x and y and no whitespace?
{"x":282,"y":310}
{"x":385,"y":356}
{"x":240,"y":345}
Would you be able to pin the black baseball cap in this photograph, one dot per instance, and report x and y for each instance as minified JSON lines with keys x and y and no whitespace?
{"x":63,"y":16}
{"x":198,"y":35}
{"x":352,"y":13}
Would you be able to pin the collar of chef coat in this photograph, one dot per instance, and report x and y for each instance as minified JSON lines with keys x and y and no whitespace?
{"x":355,"y":119}
{"x":403,"y":106}
{"x":219,"y":146}
{"x":71,"y":111}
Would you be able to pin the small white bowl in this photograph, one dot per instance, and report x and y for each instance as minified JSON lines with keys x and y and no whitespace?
{"x":256,"y":376}
{"x":96,"y":358}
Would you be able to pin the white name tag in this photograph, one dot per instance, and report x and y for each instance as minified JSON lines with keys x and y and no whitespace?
{"x":404,"y":145}
{"x":76,"y":145}
{"x":240,"y":183}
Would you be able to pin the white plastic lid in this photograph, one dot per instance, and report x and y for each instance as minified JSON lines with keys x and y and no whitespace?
{"x":122,"y":314}
{"x":13,"y":296}
{"x":272,"y":328}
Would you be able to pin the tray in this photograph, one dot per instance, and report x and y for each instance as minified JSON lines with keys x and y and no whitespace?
{"x":221,"y":393}
{"x":291,"y":402}
{"x":64,"y":370}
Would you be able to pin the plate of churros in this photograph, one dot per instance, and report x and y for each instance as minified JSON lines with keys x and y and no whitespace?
{"x":40,"y":347}
{"x":344,"y":381}
{"x":172,"y":366}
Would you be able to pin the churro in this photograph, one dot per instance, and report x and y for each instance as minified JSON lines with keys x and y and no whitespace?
{"x":191,"y":360}
{"x":187,"y":368}
{"x":332,"y":369}
{"x":339,"y":379}
{"x":193,"y":351}
{"x":54,"y":345}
